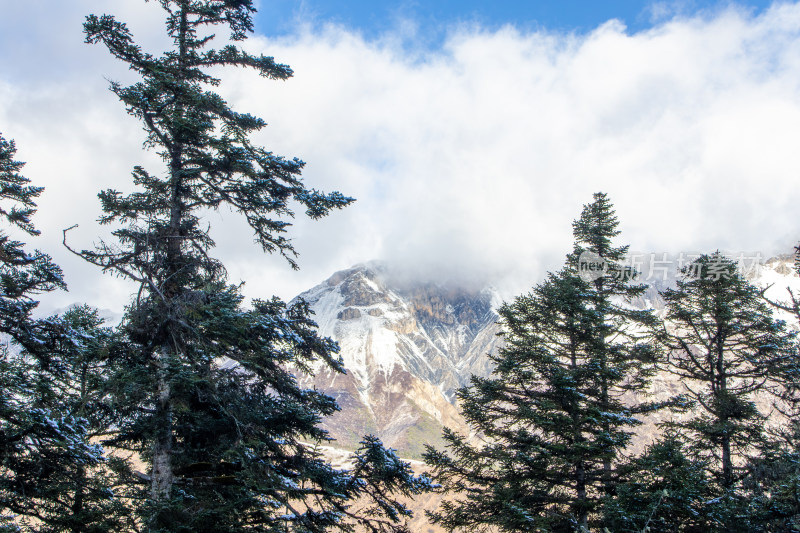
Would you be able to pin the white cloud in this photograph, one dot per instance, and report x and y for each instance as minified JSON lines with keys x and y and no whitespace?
{"x":470,"y":160}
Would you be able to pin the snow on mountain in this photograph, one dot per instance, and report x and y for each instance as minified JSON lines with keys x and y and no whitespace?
{"x":780,"y":279}
{"x":407,"y":348}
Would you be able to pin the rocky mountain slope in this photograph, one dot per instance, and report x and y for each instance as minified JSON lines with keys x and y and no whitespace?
{"x":407,"y":348}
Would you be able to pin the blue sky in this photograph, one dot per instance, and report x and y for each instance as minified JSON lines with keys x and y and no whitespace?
{"x":373,"y":18}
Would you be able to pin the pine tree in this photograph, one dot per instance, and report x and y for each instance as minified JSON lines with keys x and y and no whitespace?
{"x":664,"y":490}
{"x":62,"y":481}
{"x":772,"y":478}
{"x":27,"y":433}
{"x":51,"y":474}
{"x":624,"y":364}
{"x":23,"y":275}
{"x":551,"y":413}
{"x":207,"y":397}
{"x":725,"y":345}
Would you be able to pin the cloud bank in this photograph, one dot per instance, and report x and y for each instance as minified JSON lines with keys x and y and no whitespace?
{"x":469,"y":161}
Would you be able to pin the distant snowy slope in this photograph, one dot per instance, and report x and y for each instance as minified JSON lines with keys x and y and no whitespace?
{"x":407,"y":348}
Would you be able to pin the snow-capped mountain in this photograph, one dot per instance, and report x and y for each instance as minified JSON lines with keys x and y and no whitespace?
{"x":407,"y":348}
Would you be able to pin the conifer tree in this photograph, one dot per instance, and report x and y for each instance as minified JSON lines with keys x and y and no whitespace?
{"x":624,"y":364}
{"x":32,"y":436}
{"x":664,"y":490}
{"x":23,"y":275}
{"x":725,"y":345}
{"x":772,"y":478}
{"x":208,"y":400}
{"x":61,"y":481}
{"x":551,"y":413}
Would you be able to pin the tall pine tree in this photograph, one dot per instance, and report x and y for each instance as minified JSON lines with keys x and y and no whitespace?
{"x":724,"y":344}
{"x":228,"y":445}
{"x":624,"y":364}
{"x":52,"y":476}
{"x":25,"y":432}
{"x":551,"y":413}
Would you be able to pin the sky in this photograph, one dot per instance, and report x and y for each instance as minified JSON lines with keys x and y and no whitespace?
{"x":470,"y":133}
{"x":373,"y":18}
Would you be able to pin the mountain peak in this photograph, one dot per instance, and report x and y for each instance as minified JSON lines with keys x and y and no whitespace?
{"x":407,"y":348}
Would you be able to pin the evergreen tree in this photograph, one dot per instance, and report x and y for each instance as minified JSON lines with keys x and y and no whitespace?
{"x":624,"y":364}
{"x":205,"y":391}
{"x":551,"y":413}
{"x":23,"y":275}
{"x":725,"y":345}
{"x":773,"y":477}
{"x":662,"y":491}
{"x":51,"y":474}
{"x":60,"y":480}
{"x":32,"y":437}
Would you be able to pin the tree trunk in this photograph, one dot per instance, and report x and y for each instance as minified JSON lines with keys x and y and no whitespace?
{"x":580,"y":468}
{"x":80,"y":478}
{"x":580,"y":486}
{"x":604,"y":382}
{"x":77,"y":503}
{"x":162,"y":476}
{"x":727,"y":464}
